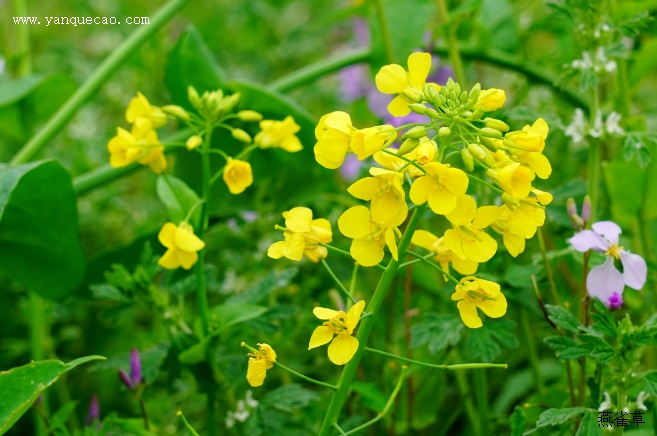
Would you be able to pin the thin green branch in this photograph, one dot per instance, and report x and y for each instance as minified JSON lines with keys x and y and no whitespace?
{"x":306,"y":378}
{"x":454,"y":367}
{"x":346,"y":253}
{"x":452,"y":42}
{"x":97,"y":79}
{"x":433,"y":265}
{"x":342,"y":287}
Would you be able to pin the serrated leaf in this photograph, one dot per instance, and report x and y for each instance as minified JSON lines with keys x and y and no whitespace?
{"x":589,"y":425}
{"x":650,"y":383}
{"x":602,"y":319}
{"x":289,"y":398}
{"x":559,"y":416}
{"x":436,"y":331}
{"x":567,"y":348}
{"x":21,"y":386}
{"x":562,"y":318}
{"x":484,"y":343}
{"x":517,"y":422}
{"x":179,"y":199}
{"x":39,"y":231}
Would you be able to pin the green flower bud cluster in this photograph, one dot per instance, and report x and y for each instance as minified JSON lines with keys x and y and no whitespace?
{"x":212,"y":105}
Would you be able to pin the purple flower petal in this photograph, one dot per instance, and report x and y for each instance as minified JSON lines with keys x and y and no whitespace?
{"x":125,"y":378}
{"x":609,"y":229}
{"x":635,"y":270}
{"x":94,"y":411}
{"x":135,"y":366}
{"x":615,"y":301}
{"x":605,"y":280}
{"x":588,"y":240}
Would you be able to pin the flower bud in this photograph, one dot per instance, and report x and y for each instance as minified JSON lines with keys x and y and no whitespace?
{"x":408,"y":145}
{"x":412,"y":95}
{"x":176,"y":111}
{"x":571,"y":206}
{"x":432,"y":92}
{"x":489,"y":143}
{"x":477,"y":151}
{"x":468,"y":161}
{"x":464,"y":97}
{"x":490,"y":159}
{"x":415,"y":132}
{"x":193,"y":96}
{"x":432,"y":113}
{"x":478,"y":113}
{"x":125,"y":378}
{"x":135,"y":366}
{"x":418,"y":108}
{"x":457,"y":89}
{"x":249,"y":116}
{"x":509,"y":201}
{"x":453,"y":96}
{"x":496,"y":124}
{"x":193,"y":142}
{"x":449,"y":85}
{"x":490,"y":133}
{"x":586,"y":209}
{"x":444,"y":132}
{"x":474,"y":93}
{"x":241,"y":135}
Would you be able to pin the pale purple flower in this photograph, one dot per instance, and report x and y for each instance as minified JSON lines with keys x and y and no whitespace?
{"x":125,"y":378}
{"x":94,"y":411}
{"x":135,"y":366}
{"x":604,"y":281}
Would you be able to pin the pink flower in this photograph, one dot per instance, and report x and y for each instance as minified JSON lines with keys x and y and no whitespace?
{"x":604,"y":281}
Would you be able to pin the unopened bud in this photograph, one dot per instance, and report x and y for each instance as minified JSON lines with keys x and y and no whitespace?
{"x":176,"y":111}
{"x":249,"y":116}
{"x":193,"y":96}
{"x":490,"y":159}
{"x":418,"y":108}
{"x":468,"y":161}
{"x":407,"y":146}
{"x":489,"y":143}
{"x":474,"y":92}
{"x":490,"y":133}
{"x":453,"y":96}
{"x":449,"y":84}
{"x":241,"y":135}
{"x":509,"y":201}
{"x":586,"y":209}
{"x":477,"y":151}
{"x":412,"y":95}
{"x":193,"y":142}
{"x":415,"y":132}
{"x":496,"y":124}
{"x":432,"y":92}
{"x":464,"y":97}
{"x":478,"y":113}
{"x":457,"y":88}
{"x":571,"y":206}
{"x":444,"y":132}
{"x":432,"y":113}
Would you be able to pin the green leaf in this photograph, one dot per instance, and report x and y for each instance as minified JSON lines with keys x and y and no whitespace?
{"x":517,"y":422}
{"x":437,"y":331}
{"x":562,"y":318}
{"x":567,"y":348}
{"x":289,"y":398}
{"x":191,"y":62}
{"x":370,"y":395}
{"x":229,"y":314}
{"x":650,"y":383}
{"x":602,"y":319}
{"x":178,"y":199}
{"x":589,"y":425}
{"x":13,"y":90}
{"x":560,"y":416}
{"x":258,"y":291}
{"x":485,"y":343}
{"x":21,"y":386}
{"x":39,"y":231}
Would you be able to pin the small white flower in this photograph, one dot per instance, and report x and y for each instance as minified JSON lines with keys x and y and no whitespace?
{"x":611,"y":66}
{"x":612,"y":125}
{"x":596,"y":131}
{"x":252,"y":403}
{"x":241,"y":414}
{"x":639,"y":401}
{"x":577,"y":128}
{"x":230,"y":419}
{"x":606,"y":404}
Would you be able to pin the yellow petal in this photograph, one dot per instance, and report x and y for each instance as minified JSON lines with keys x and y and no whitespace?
{"x":385,"y":208}
{"x":353,"y":315}
{"x":481,"y":250}
{"x":324,"y":313}
{"x":256,"y":372}
{"x":298,"y":219}
{"x":186,"y":259}
{"x":391,"y":79}
{"x":419,"y":65}
{"x":276,"y":250}
{"x":420,"y":190}
{"x":366,"y":253}
{"x":331,"y":154}
{"x":465,"y":210}
{"x":188,"y":241}
{"x":322,"y":335}
{"x":442,"y":201}
{"x":167,"y":235}
{"x":321,"y":227}
{"x":342,"y":349}
{"x":514,"y":244}
{"x":454,"y":241}
{"x":355,"y":222}
{"x":424,"y":239}
{"x":169,"y":260}
{"x":466,"y":267}
{"x":485,"y":216}
{"x":540,"y":127}
{"x":365,"y":189}
{"x":469,"y":315}
{"x":398,"y":107}
{"x":391,"y":242}
{"x":456,"y":181}
{"x":294,"y":247}
{"x":494,"y":308}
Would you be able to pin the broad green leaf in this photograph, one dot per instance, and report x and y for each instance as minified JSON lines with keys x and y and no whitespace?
{"x":484,"y":344}
{"x":179,"y":199}
{"x":589,"y":425}
{"x":190,"y":62}
{"x":567,"y":348}
{"x":602,"y":319}
{"x":560,"y":416}
{"x":370,"y":395}
{"x":438,"y":331}
{"x":562,"y":318}
{"x":13,"y":90}
{"x":289,"y":397}
{"x":21,"y":386}
{"x":650,"y":383}
{"x":39,"y":231}
{"x":517,"y":422}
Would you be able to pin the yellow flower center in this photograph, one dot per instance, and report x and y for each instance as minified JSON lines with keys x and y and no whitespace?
{"x":614,"y":250}
{"x":479,"y":296}
{"x":338,"y":325}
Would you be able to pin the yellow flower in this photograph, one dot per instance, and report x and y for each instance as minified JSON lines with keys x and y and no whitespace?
{"x":139,"y":145}
{"x":302,"y":236}
{"x":467,"y":239}
{"x":393,"y":79}
{"x":514,"y":242}
{"x":333,"y":133}
{"x":279,"y":134}
{"x":425,"y":152}
{"x":369,"y":238}
{"x":193,"y":142}
{"x":530,"y":138}
{"x":343,"y":345}
{"x":514,"y":178}
{"x":182,"y":246}
{"x":366,"y":142}
{"x":259,"y":363}
{"x":394,"y":163}
{"x":386,"y":192}
{"x":237,"y":175}
{"x":441,"y":186}
{"x":140,"y":108}
{"x":473,"y":293}
{"x":490,"y":99}
{"x":443,"y":255}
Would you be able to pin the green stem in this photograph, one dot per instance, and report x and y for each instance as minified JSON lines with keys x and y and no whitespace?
{"x":385,"y":31}
{"x":386,"y":409}
{"x":485,"y":183}
{"x":594,"y":160}
{"x":548,"y":267}
{"x":347,"y":376}
{"x":452,"y":42}
{"x":39,"y":336}
{"x":201,"y":290}
{"x":306,"y":378}
{"x":354,"y":277}
{"x":339,"y":429}
{"x":466,"y":394}
{"x":482,"y":400}
{"x":433,"y":265}
{"x":23,"y":37}
{"x":342,"y":287}
{"x":455,"y":367}
{"x":346,"y":253}
{"x":319,"y":69}
{"x":97,"y":79}
{"x":535,"y":362}
{"x":187,"y":425}
{"x":411,"y":262}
